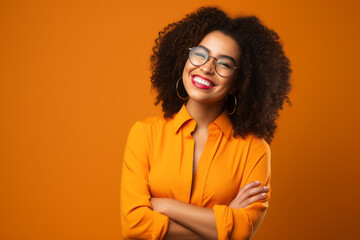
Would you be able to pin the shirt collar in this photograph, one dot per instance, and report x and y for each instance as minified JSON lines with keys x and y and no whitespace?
{"x":223,"y":121}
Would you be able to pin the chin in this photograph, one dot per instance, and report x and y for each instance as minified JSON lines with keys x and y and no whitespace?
{"x":205,"y":100}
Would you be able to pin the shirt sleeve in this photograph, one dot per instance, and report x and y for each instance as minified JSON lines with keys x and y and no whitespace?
{"x":138,"y":221}
{"x":242,"y":223}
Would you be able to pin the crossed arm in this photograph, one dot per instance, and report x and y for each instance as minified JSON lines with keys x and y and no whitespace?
{"x":188,"y":221}
{"x":179,"y":232}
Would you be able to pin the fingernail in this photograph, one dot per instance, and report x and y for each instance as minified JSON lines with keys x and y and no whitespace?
{"x":257,"y":182}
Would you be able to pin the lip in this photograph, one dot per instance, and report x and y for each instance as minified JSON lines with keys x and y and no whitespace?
{"x":199,"y":85}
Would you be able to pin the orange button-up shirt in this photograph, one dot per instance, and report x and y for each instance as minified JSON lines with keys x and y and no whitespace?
{"x":158,"y":162}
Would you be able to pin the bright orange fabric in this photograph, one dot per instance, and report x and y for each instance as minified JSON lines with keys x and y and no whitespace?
{"x":158,"y":162}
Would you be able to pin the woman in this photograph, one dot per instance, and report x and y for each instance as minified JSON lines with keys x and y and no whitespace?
{"x":203,"y":169}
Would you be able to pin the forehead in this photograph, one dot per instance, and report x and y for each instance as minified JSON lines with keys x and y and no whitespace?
{"x":220,"y":44}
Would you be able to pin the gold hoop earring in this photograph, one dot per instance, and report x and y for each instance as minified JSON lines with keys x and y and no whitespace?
{"x":177,"y":90}
{"x":235,"y":105}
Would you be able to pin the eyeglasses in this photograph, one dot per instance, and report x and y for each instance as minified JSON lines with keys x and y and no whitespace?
{"x":224,"y":66}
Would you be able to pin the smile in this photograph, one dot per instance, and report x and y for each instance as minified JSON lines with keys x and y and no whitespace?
{"x":201,"y":82}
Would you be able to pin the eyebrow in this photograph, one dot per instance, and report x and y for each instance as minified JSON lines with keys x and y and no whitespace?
{"x":220,"y":55}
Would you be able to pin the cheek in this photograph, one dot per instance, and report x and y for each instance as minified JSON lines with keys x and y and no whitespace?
{"x":227,"y":86}
{"x":188,"y":67}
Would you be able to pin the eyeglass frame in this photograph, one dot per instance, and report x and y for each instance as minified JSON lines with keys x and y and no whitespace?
{"x":235,"y":67}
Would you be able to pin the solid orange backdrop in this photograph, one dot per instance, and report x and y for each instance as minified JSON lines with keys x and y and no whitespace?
{"x":74,"y":77}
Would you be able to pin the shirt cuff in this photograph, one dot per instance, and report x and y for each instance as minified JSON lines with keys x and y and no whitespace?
{"x":224,"y":221}
{"x":232,"y":223}
{"x":161,"y":224}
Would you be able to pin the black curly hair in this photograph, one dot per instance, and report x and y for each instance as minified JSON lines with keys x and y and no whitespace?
{"x":263,"y":81}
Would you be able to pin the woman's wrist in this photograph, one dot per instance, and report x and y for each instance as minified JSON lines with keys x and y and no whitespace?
{"x":166,"y":205}
{"x":160,"y":205}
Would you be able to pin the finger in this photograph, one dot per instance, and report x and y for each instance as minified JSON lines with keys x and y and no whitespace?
{"x":255,"y":198}
{"x":247,"y":193}
{"x":247,"y":187}
{"x":257,"y":190}
{"x":250,"y":185}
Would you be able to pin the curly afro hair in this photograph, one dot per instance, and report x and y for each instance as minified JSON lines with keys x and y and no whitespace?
{"x":263,"y":79}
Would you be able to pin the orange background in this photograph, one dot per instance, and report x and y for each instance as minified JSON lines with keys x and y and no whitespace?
{"x":74,"y":77}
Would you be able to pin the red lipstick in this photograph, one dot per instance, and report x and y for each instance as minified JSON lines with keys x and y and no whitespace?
{"x":199,"y":85}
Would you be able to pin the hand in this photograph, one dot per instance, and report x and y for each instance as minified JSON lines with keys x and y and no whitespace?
{"x":249,"y":194}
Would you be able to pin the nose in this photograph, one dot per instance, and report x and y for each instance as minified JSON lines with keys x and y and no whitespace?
{"x":209,"y":66}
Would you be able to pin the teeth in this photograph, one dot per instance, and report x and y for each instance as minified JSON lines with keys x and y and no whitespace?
{"x":202,"y":81}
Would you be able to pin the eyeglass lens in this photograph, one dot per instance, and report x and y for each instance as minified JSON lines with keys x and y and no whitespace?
{"x":224,"y":66}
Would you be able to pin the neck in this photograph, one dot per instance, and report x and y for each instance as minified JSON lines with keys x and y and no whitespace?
{"x":204,"y":113}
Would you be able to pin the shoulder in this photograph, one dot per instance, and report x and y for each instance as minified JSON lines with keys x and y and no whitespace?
{"x":151,"y":124}
{"x":141,"y":132}
{"x":259,"y":144}
{"x":259,"y":150}
{"x":256,"y":145}
{"x":153,"y":120}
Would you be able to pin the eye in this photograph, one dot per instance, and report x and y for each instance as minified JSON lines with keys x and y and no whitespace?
{"x":200,"y":54}
{"x":224,"y":64}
